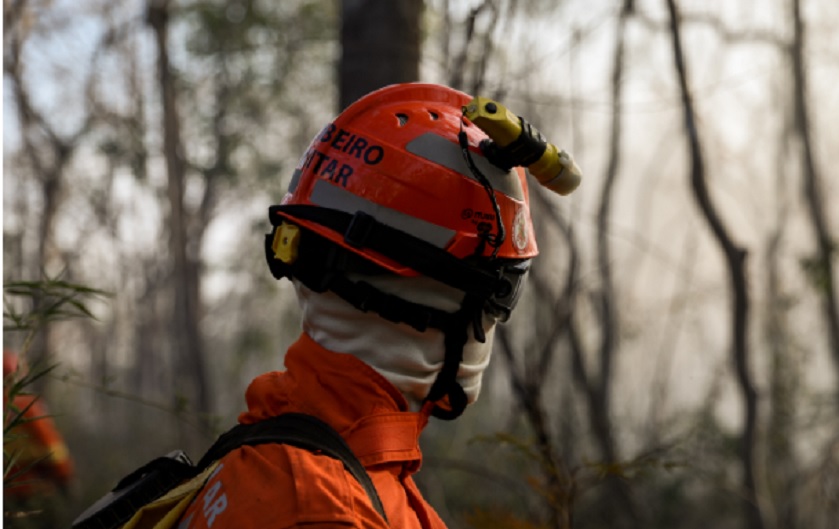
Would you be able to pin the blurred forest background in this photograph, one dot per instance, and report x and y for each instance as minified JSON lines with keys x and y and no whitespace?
{"x":675,"y":360}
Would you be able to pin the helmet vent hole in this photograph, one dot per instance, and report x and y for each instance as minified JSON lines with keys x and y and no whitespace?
{"x":403,"y":118}
{"x":434,"y":115}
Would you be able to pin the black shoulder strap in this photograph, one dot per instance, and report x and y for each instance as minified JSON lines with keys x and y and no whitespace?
{"x":302,"y":431}
{"x":362,"y":230}
{"x":159,"y":476}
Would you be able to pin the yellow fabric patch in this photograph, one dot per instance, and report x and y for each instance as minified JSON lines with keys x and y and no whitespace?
{"x":164,"y":512}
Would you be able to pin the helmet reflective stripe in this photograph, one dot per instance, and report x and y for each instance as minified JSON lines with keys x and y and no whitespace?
{"x":295,"y":179}
{"x":331,"y":196}
{"x":422,"y":173}
{"x":439,"y":150}
{"x":418,"y":207}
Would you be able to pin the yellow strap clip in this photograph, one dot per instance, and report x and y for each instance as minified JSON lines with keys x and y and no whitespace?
{"x":285,"y":243}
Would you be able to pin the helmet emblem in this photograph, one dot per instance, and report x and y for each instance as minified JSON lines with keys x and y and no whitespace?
{"x":520,"y":231}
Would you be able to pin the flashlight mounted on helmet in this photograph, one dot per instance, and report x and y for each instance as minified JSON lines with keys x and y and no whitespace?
{"x":401,"y":183}
{"x":515,"y":142}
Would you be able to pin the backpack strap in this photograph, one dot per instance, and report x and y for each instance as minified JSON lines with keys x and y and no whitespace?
{"x":299,"y":430}
{"x":160,"y":476}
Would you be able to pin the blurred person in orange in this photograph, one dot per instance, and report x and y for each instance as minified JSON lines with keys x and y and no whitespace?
{"x":36,"y":461}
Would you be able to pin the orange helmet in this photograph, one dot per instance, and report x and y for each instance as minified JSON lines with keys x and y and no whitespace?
{"x":395,"y":155}
{"x":398,"y":182}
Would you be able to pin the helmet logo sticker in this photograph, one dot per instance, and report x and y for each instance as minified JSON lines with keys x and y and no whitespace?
{"x":520,"y":235}
{"x":478,"y":216}
{"x":481,"y":219}
{"x":329,"y":167}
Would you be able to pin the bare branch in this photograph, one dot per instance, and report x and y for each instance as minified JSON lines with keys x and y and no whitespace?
{"x":735,"y":258}
{"x":825,"y":246}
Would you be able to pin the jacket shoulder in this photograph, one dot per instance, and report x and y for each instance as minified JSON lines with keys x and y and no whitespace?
{"x":280,"y":486}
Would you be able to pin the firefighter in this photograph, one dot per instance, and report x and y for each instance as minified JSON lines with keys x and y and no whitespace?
{"x":406,"y":246}
{"x":36,"y":459}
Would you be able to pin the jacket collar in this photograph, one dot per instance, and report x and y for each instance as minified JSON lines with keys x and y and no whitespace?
{"x":366,"y":409}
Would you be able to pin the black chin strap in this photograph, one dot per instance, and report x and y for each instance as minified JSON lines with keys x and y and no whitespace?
{"x":320,"y":268}
{"x":455,"y":326}
{"x":456,"y":335}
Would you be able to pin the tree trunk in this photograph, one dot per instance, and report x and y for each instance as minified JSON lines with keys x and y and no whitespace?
{"x":735,"y":258}
{"x":47,"y":155}
{"x":600,"y":395}
{"x":185,"y":319}
{"x":380,"y":45}
{"x":784,"y":375}
{"x":825,"y":246}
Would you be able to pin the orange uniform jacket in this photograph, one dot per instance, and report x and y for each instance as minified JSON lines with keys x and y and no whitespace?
{"x":43,"y":461}
{"x":278,"y":486}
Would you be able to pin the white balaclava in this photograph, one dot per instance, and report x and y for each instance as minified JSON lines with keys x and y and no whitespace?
{"x":408,"y":358}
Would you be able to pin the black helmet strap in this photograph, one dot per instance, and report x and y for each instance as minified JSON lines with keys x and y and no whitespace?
{"x":496,"y":240}
{"x":456,"y":336}
{"x":323,"y":265}
{"x":362,"y":230}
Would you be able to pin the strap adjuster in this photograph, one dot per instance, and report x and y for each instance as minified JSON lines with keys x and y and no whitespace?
{"x":359,"y":229}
